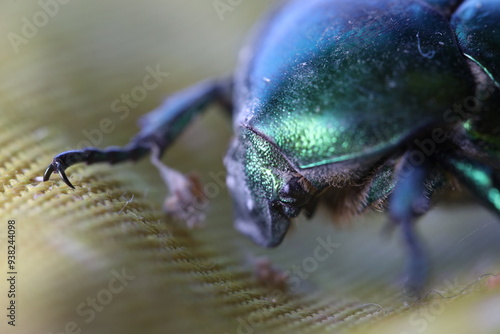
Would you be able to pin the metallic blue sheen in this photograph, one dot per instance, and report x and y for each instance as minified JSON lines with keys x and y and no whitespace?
{"x":477,"y":25}
{"x":352,"y":103}
{"x":339,"y":80}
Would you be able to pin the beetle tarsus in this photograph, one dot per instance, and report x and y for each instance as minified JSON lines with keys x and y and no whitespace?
{"x":92,"y":155}
{"x":158,"y":129}
{"x":58,"y":167}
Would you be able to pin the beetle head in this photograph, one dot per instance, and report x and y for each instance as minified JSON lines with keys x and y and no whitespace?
{"x":266,"y":190}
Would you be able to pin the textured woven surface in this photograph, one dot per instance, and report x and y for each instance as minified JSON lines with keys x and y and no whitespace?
{"x":57,"y":84}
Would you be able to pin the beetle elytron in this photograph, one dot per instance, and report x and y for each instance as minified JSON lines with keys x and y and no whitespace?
{"x":358,"y":103}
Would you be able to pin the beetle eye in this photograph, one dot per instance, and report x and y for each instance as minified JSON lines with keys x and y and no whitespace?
{"x":293,"y":192}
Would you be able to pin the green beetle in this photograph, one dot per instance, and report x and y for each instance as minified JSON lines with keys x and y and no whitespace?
{"x":356,"y":103}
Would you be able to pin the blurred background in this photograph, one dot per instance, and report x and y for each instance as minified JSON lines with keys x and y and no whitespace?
{"x":103,"y":258}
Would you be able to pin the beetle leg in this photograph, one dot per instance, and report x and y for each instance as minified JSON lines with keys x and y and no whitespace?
{"x":164,"y":124}
{"x":159,"y":128}
{"x":186,"y":201}
{"x":480,"y":178}
{"x":409,"y":200}
{"x":92,"y":155}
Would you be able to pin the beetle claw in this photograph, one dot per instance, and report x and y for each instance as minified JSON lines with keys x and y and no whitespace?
{"x":58,"y":167}
{"x":65,"y":178}
{"x":48,"y":172}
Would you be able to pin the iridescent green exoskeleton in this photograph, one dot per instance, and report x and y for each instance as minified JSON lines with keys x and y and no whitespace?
{"x":355,"y":103}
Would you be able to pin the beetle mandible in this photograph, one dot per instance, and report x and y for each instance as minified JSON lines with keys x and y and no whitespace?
{"x":372,"y":103}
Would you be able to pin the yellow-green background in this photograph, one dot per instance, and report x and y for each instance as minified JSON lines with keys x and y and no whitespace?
{"x":63,"y":81}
